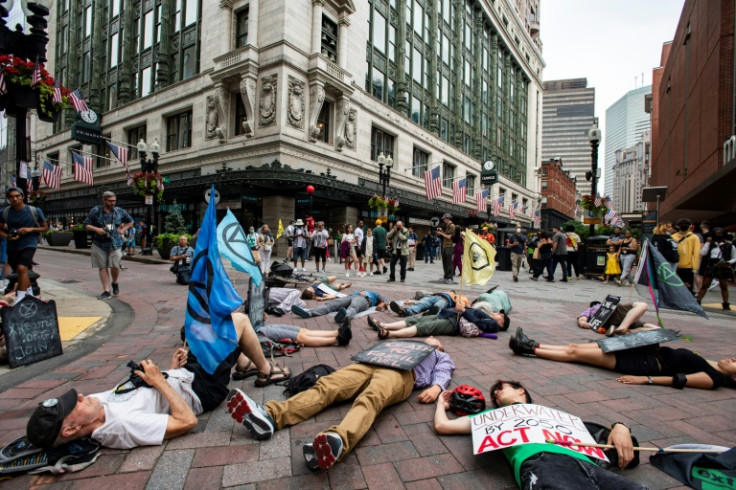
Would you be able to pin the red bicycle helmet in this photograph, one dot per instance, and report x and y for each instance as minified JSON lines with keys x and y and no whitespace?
{"x":467,"y":400}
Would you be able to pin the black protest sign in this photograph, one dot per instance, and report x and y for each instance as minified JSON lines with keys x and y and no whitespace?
{"x":31,"y":331}
{"x":397,"y":354}
{"x":605,"y":312}
{"x":638,"y":339}
{"x":256,"y":302}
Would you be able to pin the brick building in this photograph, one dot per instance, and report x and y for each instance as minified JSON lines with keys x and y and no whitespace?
{"x":558,"y":194}
{"x":693,"y":116}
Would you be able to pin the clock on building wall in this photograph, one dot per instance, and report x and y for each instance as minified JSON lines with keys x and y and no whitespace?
{"x":89,"y":116}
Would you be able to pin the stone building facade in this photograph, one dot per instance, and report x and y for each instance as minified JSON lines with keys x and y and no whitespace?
{"x":263,"y":98}
{"x":630,"y":174}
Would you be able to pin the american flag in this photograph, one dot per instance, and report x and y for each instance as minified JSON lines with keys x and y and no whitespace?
{"x":458,"y":190}
{"x":120,"y":153}
{"x":130,"y":180}
{"x":611,"y":216}
{"x":57,"y":98}
{"x":537,"y":219}
{"x":497,"y":205}
{"x":480,"y":199}
{"x":512,"y":209}
{"x":609,"y":203}
{"x":23,"y":170}
{"x":13,"y":181}
{"x":598,"y":201}
{"x":433,"y":183}
{"x":160,"y":184}
{"x":577,"y":208}
{"x":51,"y":175}
{"x":619,"y":222}
{"x":83,"y":169}
{"x":525,"y":208}
{"x":79,"y":104}
{"x":36,"y":77}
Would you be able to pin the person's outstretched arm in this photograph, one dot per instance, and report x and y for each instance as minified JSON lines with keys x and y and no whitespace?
{"x":442,"y":423}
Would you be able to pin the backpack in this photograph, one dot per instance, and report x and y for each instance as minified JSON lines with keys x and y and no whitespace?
{"x":669,"y":251}
{"x":34,"y":213}
{"x":284,"y":347}
{"x":20,"y":456}
{"x":305,"y":380}
{"x":281,"y":269}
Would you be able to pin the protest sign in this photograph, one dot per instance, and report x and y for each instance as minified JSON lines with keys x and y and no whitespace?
{"x":604,"y":312}
{"x":397,"y":354}
{"x":638,"y":339}
{"x":31,"y":330}
{"x":513,"y":425}
{"x":328,"y":290}
{"x":256,"y":302}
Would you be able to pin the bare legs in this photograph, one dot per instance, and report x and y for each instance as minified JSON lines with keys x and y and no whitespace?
{"x":583,"y":353}
{"x":317,"y":338}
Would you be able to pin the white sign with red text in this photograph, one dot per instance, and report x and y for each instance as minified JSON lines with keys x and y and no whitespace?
{"x":528,"y":423}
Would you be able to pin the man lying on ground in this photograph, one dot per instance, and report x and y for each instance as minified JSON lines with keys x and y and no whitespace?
{"x":468,"y":322}
{"x":546,"y":465}
{"x":164,"y":406}
{"x":432,"y":303}
{"x":372,"y":387}
{"x":624,"y":318}
{"x":497,"y":299}
{"x":314,"y":291}
{"x":346,"y":307}
{"x":650,"y":364}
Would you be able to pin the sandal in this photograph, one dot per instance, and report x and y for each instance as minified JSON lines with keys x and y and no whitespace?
{"x":375,"y":325}
{"x":277,"y":374}
{"x":249,"y":370}
{"x":382,"y":333}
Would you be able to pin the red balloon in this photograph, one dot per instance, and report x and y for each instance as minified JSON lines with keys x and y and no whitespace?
{"x":310,"y":189}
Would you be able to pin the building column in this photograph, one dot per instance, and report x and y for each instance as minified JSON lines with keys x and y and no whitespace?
{"x":435,"y":53}
{"x":273,"y":209}
{"x":163,"y":72}
{"x":457,"y":103}
{"x":402,"y":99}
{"x":253,"y":16}
{"x":129,"y":52}
{"x":96,"y":90}
{"x":342,"y":42}
{"x":317,"y":26}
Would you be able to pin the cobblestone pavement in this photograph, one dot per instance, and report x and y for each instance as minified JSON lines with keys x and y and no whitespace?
{"x":401,"y":450}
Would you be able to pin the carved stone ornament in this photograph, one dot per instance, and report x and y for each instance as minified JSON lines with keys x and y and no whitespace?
{"x":343,"y":107}
{"x":351,"y":129}
{"x":213,"y":128}
{"x":248,"y":97}
{"x":316,"y":98}
{"x":267,"y":104}
{"x":295,"y":110}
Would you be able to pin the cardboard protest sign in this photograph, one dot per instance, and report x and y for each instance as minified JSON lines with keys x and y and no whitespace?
{"x":604,"y":312}
{"x":638,"y":339}
{"x":328,"y":290}
{"x":528,"y":423}
{"x":397,"y":354}
{"x":31,"y":330}
{"x":256,"y":302}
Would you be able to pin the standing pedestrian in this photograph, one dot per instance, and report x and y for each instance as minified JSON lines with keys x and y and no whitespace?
{"x":130,"y":241}
{"x":412,"y":243}
{"x":627,"y":255}
{"x":265,"y":247}
{"x":457,"y":251}
{"x":21,"y":225}
{"x":379,"y":234}
{"x":517,"y":242}
{"x":347,"y":249}
{"x":544,"y":260}
{"x":400,"y":250}
{"x":573,"y":255}
{"x":369,"y":250}
{"x":559,"y":252}
{"x":108,"y":223}
{"x":446,"y":232}
{"x":719,"y":256}
{"x":359,"y":235}
{"x":688,"y":247}
{"x":300,"y":244}
{"x":319,"y":240}
{"x":289,"y":234}
{"x":428,"y":242}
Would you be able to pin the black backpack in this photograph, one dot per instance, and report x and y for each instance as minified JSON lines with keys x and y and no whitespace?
{"x":669,"y":251}
{"x":20,"y":456}
{"x":305,"y":380}
{"x":281,"y":269}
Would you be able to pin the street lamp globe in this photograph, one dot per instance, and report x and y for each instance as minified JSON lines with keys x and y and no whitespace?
{"x":389,"y":161}
{"x":381,"y":159}
{"x":142,"y":147}
{"x":25,"y":5}
{"x":594,"y":134}
{"x":155,"y":148}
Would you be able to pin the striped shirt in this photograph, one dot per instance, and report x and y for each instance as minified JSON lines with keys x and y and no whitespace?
{"x":435,"y":369}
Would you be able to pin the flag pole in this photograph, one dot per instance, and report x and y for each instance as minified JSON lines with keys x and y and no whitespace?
{"x":636,"y":448}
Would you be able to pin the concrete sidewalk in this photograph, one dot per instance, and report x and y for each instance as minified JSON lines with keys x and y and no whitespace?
{"x":401,"y":450}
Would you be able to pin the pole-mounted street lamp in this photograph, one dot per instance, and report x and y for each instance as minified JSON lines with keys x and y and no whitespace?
{"x":594,"y":136}
{"x":149,"y":167}
{"x":31,"y":47}
{"x":384,"y":177}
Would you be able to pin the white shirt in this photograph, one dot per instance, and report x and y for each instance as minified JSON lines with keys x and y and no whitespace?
{"x":140,"y":417}
{"x":319,"y":238}
{"x":359,"y":236}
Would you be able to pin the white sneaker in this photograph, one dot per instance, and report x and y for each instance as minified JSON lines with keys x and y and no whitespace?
{"x":323,"y":271}
{"x":304,"y":269}
{"x":347,"y":274}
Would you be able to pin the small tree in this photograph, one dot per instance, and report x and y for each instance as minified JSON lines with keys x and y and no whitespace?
{"x":175,"y":221}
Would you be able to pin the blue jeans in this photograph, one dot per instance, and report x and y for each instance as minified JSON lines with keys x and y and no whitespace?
{"x":627,"y":261}
{"x":426,"y":303}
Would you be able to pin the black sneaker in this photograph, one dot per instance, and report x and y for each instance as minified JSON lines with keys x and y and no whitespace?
{"x":516,"y":279}
{"x":251,"y":414}
{"x":301,"y":312}
{"x":522,"y":348}
{"x":341,"y":315}
{"x":115,"y":289}
{"x":385,"y":269}
{"x":105,"y":295}
{"x":391,"y":280}
{"x":396,"y":308}
{"x":344,"y":334}
{"x":434,"y":310}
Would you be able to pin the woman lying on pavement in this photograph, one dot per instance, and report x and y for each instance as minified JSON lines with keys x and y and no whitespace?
{"x":650,"y":364}
{"x":314,"y":291}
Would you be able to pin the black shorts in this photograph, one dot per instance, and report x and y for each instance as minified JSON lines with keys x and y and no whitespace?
{"x":21,"y":257}
{"x":618,"y":316}
{"x":211,"y":388}
{"x":359,"y":252}
{"x":640,"y":361}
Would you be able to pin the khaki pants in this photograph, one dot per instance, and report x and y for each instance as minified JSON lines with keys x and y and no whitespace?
{"x":373,"y":388}
{"x":516,"y":263}
{"x":412,"y":256}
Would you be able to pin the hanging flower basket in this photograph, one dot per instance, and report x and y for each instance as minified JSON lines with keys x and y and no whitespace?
{"x":588,"y":203}
{"x":18,"y":76}
{"x":145,"y":184}
{"x":383,"y":204}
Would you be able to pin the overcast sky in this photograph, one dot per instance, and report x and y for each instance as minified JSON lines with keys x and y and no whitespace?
{"x":609,"y":42}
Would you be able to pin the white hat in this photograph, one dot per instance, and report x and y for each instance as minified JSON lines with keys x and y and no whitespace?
{"x":299,"y":222}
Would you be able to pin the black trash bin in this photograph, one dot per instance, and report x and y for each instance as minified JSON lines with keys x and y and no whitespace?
{"x":503,"y":257}
{"x":595,"y":255}
{"x":420,"y":251}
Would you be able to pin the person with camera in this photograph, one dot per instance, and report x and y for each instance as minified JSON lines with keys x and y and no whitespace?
{"x":181,"y":255}
{"x":108,"y":224}
{"x":400,"y":250}
{"x":719,"y":256}
{"x":446,"y":232}
{"x":21,"y":225}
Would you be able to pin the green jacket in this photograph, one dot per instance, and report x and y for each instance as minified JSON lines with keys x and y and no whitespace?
{"x":379,"y":235}
{"x":400,"y":240}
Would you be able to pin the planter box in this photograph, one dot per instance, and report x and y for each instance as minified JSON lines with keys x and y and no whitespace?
{"x":60,"y":238}
{"x":80,"y":239}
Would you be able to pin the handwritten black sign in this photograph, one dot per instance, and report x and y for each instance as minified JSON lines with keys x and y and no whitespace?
{"x":397,"y":354}
{"x":31,"y":331}
{"x":638,"y":339}
{"x":605,"y":312}
{"x":256,"y":302}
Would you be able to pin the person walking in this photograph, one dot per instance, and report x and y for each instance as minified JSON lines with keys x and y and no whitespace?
{"x":517,"y":243}
{"x":445,"y":233}
{"x":108,"y":223}
{"x":400,"y":250}
{"x":719,"y":256}
{"x":265,"y":247}
{"x":544,"y":247}
{"x":559,"y":252}
{"x":412,"y":242}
